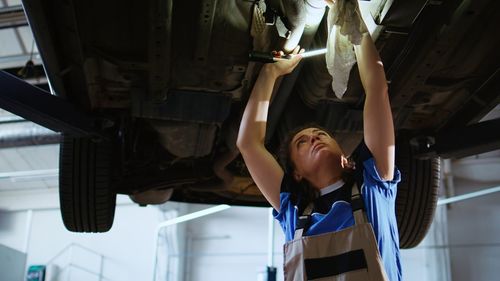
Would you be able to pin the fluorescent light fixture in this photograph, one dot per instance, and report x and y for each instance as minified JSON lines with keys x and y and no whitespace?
{"x":194,"y":215}
{"x":15,"y":176}
{"x":180,"y":219}
{"x":468,"y":195}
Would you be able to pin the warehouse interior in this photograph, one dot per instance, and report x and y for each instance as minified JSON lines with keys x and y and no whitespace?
{"x":210,"y":241}
{"x":231,"y":244}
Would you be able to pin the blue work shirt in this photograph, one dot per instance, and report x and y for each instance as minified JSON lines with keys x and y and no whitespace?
{"x":379,"y":198}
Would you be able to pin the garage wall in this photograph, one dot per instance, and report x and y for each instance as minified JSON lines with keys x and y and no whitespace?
{"x":11,"y":264}
{"x":428,"y":261}
{"x":13,"y":229}
{"x":231,"y":245}
{"x":474,"y":234}
{"x":239,"y":252}
{"x":127,"y":249}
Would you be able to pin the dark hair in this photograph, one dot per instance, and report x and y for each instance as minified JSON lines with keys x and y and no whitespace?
{"x":302,"y":192}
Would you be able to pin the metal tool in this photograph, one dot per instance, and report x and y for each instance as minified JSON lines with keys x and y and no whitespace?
{"x":270,"y":57}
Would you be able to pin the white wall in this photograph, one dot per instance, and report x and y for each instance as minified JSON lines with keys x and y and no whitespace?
{"x":474,"y":234}
{"x":13,"y":229}
{"x":429,"y":261}
{"x":127,"y":248}
{"x":231,"y":245}
{"x":11,"y":264}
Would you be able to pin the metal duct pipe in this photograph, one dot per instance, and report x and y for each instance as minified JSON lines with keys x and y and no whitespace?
{"x":26,"y":133}
{"x":305,"y":17}
{"x":12,"y":16}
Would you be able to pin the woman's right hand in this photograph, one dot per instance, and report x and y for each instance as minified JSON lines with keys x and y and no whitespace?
{"x":263,"y":167}
{"x":283,"y":67}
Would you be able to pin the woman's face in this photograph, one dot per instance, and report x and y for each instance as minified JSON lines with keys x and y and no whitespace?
{"x":313,"y":147}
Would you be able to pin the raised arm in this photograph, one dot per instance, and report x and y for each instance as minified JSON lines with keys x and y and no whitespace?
{"x":377,"y":115}
{"x":263,"y":167}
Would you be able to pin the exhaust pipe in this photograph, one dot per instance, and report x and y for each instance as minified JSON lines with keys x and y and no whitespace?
{"x":302,"y":15}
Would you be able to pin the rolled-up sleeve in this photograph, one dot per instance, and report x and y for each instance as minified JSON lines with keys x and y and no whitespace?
{"x":287,"y":212}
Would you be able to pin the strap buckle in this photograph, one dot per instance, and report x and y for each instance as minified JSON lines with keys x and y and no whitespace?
{"x":302,"y":222}
{"x":356,"y":198}
{"x":357,"y":203}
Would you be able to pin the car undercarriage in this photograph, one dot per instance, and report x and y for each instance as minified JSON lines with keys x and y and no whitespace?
{"x":166,"y":82}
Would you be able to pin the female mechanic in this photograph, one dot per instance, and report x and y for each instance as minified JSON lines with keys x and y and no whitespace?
{"x":314,"y":192}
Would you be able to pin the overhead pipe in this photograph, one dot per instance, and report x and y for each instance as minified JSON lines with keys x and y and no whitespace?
{"x":12,"y":16}
{"x":301,"y":15}
{"x":25,"y":133}
{"x":303,"y":18}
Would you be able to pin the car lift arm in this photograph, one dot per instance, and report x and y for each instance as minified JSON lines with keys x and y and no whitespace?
{"x":45,"y":109}
{"x":470,"y":140}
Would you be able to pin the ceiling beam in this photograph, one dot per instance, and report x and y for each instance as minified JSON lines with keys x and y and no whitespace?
{"x":12,"y":16}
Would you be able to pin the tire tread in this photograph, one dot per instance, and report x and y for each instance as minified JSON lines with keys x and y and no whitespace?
{"x":86,"y":195}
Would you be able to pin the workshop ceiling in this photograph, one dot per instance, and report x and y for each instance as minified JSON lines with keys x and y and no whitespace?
{"x":29,"y":168}
{"x":16,"y":40}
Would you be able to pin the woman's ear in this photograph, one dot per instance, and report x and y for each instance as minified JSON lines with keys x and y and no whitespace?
{"x":345,"y":162}
{"x":296,"y":176}
{"x":348,"y":163}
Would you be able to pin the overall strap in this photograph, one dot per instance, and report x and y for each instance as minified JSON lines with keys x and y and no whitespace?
{"x":358,"y":206}
{"x":358,"y":210}
{"x":303,"y":221}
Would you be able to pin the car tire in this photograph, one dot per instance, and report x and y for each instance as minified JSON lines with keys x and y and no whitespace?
{"x":417,"y":194}
{"x":86,"y":195}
